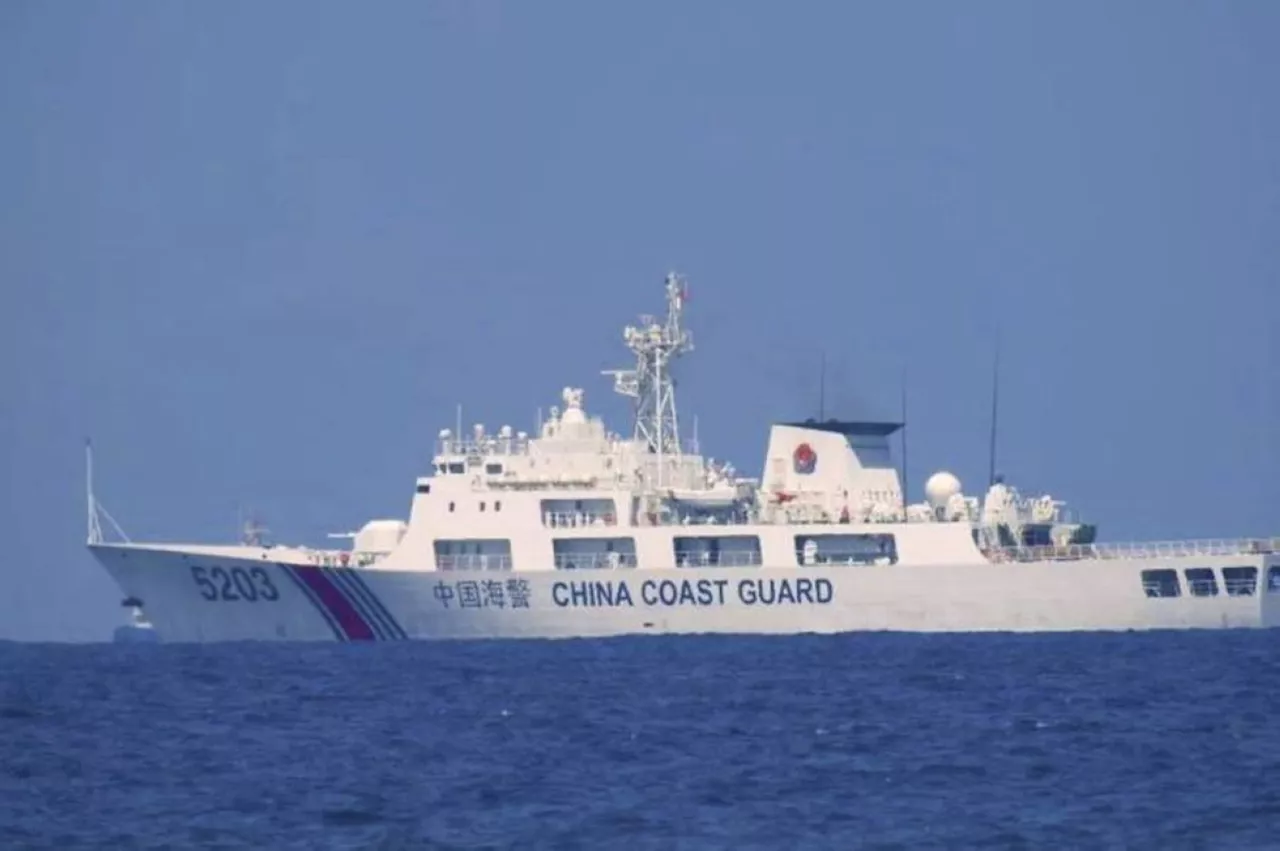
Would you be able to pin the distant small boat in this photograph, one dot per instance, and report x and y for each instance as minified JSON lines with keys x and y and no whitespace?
{"x":139,"y":630}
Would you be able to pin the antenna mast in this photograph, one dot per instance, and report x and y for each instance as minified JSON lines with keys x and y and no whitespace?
{"x":822,"y":387}
{"x":96,"y":511}
{"x":904,"y":445}
{"x":95,"y":528}
{"x":252,"y":532}
{"x":656,"y":345}
{"x":995,"y":410}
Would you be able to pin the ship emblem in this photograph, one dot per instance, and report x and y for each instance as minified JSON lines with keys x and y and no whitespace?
{"x":804,"y":459}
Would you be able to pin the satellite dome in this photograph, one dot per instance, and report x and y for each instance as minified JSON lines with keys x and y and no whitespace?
{"x":379,"y":536}
{"x":940,"y":488}
{"x":572,"y":406}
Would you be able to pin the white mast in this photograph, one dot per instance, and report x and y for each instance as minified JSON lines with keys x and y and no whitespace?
{"x":96,"y":511}
{"x":655,"y":346}
{"x":95,"y":528}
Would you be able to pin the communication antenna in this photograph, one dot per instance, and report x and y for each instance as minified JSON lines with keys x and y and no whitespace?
{"x":656,"y":344}
{"x":822,"y":387}
{"x":995,"y":411}
{"x":251,"y":530}
{"x":904,"y":444}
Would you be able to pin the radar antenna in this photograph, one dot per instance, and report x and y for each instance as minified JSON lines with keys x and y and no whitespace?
{"x":252,"y":531}
{"x":650,"y":384}
{"x":995,"y":412}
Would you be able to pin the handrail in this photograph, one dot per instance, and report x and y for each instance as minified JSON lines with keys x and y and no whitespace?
{"x":732,"y":557}
{"x":474,"y":561}
{"x":845,"y":558}
{"x":489,"y":446}
{"x":593,"y":561}
{"x":577,"y":519}
{"x":337,"y":558}
{"x":1148,"y":549}
{"x":723,"y":558}
{"x":1241,"y":587}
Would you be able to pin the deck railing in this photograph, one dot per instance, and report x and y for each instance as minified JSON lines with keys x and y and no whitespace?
{"x":593,"y":561}
{"x":1150,"y":549}
{"x":1073,"y":552}
{"x":334,"y":558}
{"x":722,"y":558}
{"x":1241,"y":587}
{"x":473,"y":561}
{"x":577,"y":519}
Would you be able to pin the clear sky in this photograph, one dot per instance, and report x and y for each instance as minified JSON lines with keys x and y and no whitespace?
{"x":259,"y":252}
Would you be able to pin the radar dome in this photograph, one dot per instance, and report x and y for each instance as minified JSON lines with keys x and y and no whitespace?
{"x":379,"y":536}
{"x":940,"y":488}
{"x":573,"y":406}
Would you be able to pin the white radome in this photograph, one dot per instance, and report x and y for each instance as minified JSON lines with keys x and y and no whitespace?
{"x":379,"y":536}
{"x":940,"y":487}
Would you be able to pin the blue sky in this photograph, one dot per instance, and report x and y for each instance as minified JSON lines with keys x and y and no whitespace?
{"x":260,"y":251}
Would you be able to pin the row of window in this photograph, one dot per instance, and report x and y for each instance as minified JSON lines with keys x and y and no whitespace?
{"x":572,"y":513}
{"x":1203,"y":582}
{"x":692,"y":551}
{"x":576,"y":513}
{"x":562,"y":512}
{"x":497,"y":505}
{"x":457,"y":468}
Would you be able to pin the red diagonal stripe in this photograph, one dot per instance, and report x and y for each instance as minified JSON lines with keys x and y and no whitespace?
{"x":332,"y":598}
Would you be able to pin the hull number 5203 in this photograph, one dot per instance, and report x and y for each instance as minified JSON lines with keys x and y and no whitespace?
{"x":234,"y":583}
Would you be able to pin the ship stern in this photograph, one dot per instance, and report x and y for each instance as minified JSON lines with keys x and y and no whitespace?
{"x":1270,"y":591}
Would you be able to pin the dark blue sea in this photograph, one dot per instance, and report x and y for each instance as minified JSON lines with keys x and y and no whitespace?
{"x":1160,"y":741}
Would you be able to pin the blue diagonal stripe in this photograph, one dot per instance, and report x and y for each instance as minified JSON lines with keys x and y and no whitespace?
{"x":363,"y":597}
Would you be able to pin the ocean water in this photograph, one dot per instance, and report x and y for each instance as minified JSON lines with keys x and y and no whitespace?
{"x":1159,"y":740}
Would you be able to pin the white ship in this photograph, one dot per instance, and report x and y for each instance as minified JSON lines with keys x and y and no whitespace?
{"x":578,"y":531}
{"x":138,"y":630}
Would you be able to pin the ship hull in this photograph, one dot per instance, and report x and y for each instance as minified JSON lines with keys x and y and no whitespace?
{"x":198,"y":598}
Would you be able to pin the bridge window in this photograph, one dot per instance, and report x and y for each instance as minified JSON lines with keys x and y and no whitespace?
{"x":1273,"y":579}
{"x":457,"y":467}
{"x":1161,"y":583}
{"x":493,"y":469}
{"x":591,"y":553}
{"x":1202,"y":582}
{"x":574,"y":513}
{"x":473,"y":554}
{"x":846,"y":549}
{"x":717,"y":551}
{"x":1240,"y":581}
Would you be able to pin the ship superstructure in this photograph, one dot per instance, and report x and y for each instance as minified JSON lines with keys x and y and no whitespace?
{"x":576,"y":530}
